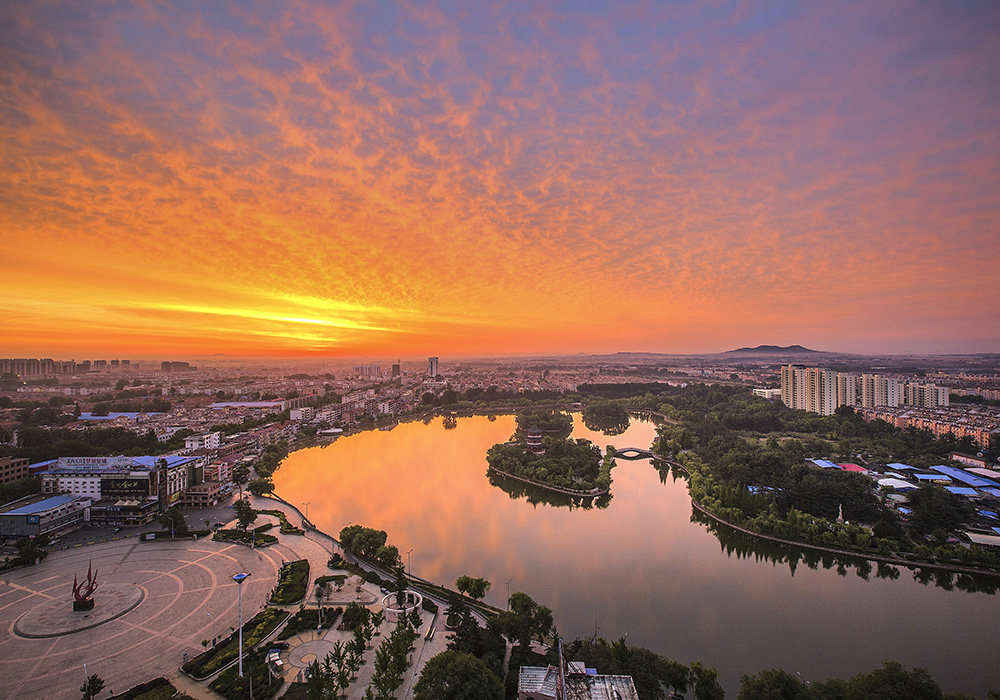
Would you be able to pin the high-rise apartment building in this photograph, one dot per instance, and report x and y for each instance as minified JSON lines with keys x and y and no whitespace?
{"x":809,"y":389}
{"x":432,"y":366}
{"x":848,"y":389}
{"x":823,"y":391}
{"x":877,"y":390}
{"x":926,"y":395}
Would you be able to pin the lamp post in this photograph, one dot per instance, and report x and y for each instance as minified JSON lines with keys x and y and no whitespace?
{"x":508,"y":592}
{"x":306,"y":504}
{"x":408,"y":569}
{"x":240,"y":578}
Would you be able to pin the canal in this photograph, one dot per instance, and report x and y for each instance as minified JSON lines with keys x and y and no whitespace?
{"x":639,"y":564}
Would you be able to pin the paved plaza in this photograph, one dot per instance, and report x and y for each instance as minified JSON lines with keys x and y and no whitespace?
{"x":156,"y":602}
{"x":186,"y":595}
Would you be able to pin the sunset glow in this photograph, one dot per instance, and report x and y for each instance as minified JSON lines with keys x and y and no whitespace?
{"x":446,"y":178}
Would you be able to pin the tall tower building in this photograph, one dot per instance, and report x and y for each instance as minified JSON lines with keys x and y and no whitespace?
{"x":432,"y":366}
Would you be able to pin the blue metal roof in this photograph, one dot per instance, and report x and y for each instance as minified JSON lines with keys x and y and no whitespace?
{"x":172,"y":460}
{"x":825,"y":464}
{"x":899,"y":465}
{"x":132,"y":415}
{"x":932,"y":477}
{"x":965,"y":477}
{"x":961,"y":490}
{"x":40,"y":506}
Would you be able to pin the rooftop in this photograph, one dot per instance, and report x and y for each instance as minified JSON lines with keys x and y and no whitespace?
{"x":37,"y":505}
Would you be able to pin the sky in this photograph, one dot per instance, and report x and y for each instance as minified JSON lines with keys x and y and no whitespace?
{"x":322,"y":178}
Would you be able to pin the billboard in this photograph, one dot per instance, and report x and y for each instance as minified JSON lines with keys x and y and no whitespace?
{"x":124,"y":487}
{"x":119,"y":462}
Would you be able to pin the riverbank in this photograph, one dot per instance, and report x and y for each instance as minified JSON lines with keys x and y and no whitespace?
{"x":837,"y":551}
{"x":593,"y":493}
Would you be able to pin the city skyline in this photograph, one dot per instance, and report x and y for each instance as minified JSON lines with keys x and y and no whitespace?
{"x":498,"y":180}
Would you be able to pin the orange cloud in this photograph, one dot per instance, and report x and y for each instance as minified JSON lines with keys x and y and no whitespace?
{"x":360,"y":180}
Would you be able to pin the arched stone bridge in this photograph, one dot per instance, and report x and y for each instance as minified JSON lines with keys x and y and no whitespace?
{"x":633,"y":453}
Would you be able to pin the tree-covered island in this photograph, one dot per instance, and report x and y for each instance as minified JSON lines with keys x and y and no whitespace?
{"x":607,"y":417}
{"x":554,"y":424}
{"x":544,"y":456}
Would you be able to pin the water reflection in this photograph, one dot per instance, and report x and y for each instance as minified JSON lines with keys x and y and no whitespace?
{"x":743,"y":546}
{"x":606,"y":427}
{"x":639,"y":565}
{"x":536,"y":495}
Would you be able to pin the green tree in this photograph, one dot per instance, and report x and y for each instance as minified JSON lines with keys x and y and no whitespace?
{"x":30,"y":552}
{"x":935,"y":509}
{"x":258,"y":487}
{"x":245,"y":514}
{"x":774,"y":684}
{"x":92,"y":686}
{"x":525,"y":620}
{"x":475,"y":588}
{"x":894,"y":681}
{"x":454,"y":675}
{"x":706,"y":682}
{"x":172,"y":519}
{"x":241,"y":474}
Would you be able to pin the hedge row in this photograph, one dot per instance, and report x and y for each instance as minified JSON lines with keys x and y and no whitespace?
{"x":254,"y":632}
{"x":292,"y":583}
{"x":286,"y":527}
{"x":150,"y":690}
{"x":262,"y":540}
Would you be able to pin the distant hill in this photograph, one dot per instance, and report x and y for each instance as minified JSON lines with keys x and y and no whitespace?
{"x":774,"y":350}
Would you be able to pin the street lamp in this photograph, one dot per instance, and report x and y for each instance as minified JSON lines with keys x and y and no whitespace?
{"x":408,"y":568}
{"x":240,"y":578}
{"x":306,"y":504}
{"x":508,"y":592}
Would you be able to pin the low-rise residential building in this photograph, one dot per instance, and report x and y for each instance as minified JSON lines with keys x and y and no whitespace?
{"x":203,"y":495}
{"x":304,"y":413}
{"x":13,"y":468}
{"x":977,"y":423}
{"x":208,"y":441}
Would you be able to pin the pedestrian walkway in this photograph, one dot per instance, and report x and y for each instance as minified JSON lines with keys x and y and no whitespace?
{"x":317,"y":548}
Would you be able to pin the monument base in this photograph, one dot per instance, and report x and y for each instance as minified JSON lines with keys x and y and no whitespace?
{"x":83,"y":605}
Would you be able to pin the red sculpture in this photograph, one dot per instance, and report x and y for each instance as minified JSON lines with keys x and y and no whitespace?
{"x":83,"y":591}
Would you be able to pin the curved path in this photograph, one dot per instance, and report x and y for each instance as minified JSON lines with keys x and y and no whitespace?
{"x":187,"y":596}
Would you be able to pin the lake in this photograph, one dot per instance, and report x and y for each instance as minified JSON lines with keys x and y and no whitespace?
{"x":640,"y":567}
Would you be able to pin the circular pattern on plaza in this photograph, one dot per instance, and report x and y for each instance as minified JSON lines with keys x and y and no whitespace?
{"x":56,"y":617}
{"x":157,"y":603}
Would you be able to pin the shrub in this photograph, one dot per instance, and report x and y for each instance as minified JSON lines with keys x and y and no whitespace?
{"x":262,"y":540}
{"x":286,"y":527}
{"x":429,"y":605}
{"x":150,"y":690}
{"x":254,"y":631}
{"x":354,"y":615}
{"x":307,"y":620}
{"x":230,"y":686}
{"x":292,"y":583}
